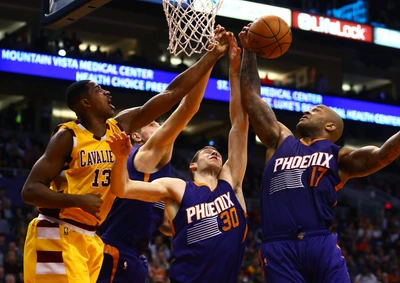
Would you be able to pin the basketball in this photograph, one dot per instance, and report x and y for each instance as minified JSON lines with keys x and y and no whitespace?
{"x":270,"y":36}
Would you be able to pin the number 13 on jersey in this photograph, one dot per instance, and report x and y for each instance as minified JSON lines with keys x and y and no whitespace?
{"x":102,"y":178}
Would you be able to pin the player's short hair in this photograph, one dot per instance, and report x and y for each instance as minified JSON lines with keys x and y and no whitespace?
{"x":196,"y":157}
{"x":74,"y":93}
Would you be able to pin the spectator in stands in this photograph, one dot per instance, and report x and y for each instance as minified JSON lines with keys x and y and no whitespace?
{"x":157,"y":273}
{"x":10,"y":278}
{"x":366,"y":277}
{"x":159,"y":245}
{"x":11,"y":265}
{"x":164,"y":264}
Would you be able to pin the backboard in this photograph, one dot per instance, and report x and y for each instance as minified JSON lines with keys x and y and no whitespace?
{"x":60,"y":13}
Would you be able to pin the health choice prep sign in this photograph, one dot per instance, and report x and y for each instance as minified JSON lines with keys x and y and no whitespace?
{"x":149,"y":80}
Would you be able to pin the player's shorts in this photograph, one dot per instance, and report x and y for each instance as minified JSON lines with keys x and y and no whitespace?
{"x":312,"y":257}
{"x":59,"y":252}
{"x":122,"y":264}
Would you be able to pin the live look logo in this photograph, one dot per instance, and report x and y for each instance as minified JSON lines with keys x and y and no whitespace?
{"x":320,"y":24}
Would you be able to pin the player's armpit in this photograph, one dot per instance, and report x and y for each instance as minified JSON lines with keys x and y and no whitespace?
{"x":165,"y":227}
{"x":36,"y":188}
{"x":369,"y":159}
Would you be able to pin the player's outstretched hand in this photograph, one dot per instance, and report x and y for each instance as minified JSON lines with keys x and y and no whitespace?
{"x":223,"y":37}
{"x":243,"y":35}
{"x":234,"y":54}
{"x":120,"y":144}
{"x":91,"y":204}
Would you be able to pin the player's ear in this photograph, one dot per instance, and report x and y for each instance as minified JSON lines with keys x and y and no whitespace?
{"x":330,"y":127}
{"x":136,"y":137}
{"x":193,"y":166}
{"x":84,"y":102}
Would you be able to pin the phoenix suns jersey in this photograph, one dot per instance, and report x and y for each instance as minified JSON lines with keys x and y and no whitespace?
{"x":132,"y":222}
{"x":299,"y":187}
{"x":210,"y":229}
{"x":88,"y":171}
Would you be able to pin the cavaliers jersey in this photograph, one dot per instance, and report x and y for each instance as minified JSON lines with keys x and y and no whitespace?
{"x":132,"y":222}
{"x":209,"y":232}
{"x":88,"y":172}
{"x":299,"y":187}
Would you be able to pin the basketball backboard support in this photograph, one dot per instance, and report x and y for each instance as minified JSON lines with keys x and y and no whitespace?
{"x":60,"y":13}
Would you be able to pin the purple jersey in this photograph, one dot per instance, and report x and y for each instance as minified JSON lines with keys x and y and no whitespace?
{"x":210,"y":229}
{"x":132,"y":222}
{"x":299,"y":187}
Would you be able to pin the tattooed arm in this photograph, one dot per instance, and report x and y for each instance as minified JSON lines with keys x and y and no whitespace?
{"x":262,"y":117}
{"x":369,"y":159}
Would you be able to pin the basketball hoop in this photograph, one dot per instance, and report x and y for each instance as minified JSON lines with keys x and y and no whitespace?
{"x":191,"y":25}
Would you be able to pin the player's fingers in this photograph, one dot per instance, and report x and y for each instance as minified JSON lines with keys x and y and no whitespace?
{"x":221,"y":34}
{"x":121,"y":136}
{"x":128,"y":141}
{"x":234,"y":40}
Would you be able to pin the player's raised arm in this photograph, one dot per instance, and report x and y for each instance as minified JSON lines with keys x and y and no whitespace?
{"x":160,"y":144}
{"x":36,"y":188}
{"x":234,"y":169}
{"x":135,"y":118}
{"x":262,"y":117}
{"x":158,"y":190}
{"x":369,"y":159}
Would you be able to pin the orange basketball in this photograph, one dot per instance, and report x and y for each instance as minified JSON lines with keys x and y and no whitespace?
{"x":270,"y":36}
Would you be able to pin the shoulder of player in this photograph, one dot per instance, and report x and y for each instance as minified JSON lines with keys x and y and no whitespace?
{"x":344,"y":152}
{"x":64,"y":135}
{"x":115,"y":125}
{"x":284,"y":133}
{"x":149,"y":157}
{"x":60,"y":144}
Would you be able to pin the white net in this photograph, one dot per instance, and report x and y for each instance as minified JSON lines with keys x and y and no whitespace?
{"x":191,"y":25}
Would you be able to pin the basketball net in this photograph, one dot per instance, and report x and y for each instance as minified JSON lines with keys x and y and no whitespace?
{"x":191,"y":25}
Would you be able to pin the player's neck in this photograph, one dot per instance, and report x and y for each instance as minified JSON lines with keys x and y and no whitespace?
{"x":310,"y":139}
{"x":95,"y":125}
{"x":206,"y":178}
